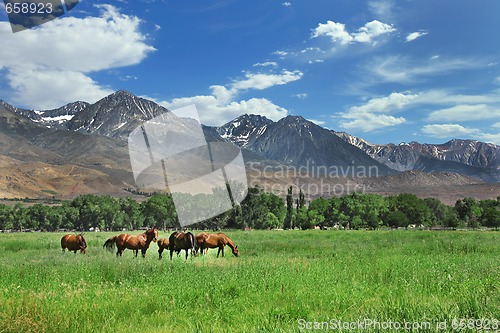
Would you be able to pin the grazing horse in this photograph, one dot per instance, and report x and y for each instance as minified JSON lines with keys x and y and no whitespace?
{"x":206,"y":241}
{"x":135,"y":243}
{"x":74,"y":243}
{"x":182,"y":241}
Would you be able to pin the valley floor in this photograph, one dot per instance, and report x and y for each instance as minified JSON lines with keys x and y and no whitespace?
{"x":284,"y":281}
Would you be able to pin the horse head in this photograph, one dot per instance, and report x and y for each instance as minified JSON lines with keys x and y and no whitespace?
{"x":152,"y":235}
{"x":235,"y":251}
{"x":83,"y":243}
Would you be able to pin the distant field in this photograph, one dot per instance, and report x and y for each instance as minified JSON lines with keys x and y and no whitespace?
{"x":284,"y":281}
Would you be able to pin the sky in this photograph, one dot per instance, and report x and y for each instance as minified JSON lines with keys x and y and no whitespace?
{"x":388,"y":71}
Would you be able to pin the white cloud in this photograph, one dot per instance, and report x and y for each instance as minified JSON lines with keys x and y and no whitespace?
{"x":262,"y":81}
{"x":281,"y":53}
{"x":496,"y":125}
{"x":395,"y":101}
{"x":399,"y":69}
{"x":368,"y":122}
{"x":382,"y":9}
{"x":372,"y":29}
{"x":414,"y":35}
{"x":448,"y":131}
{"x":317,"y":122}
{"x":286,"y":4}
{"x":214,"y":111}
{"x":222,"y":104}
{"x":62,"y":53}
{"x":338,"y":33}
{"x":48,"y":88}
{"x":301,"y":96}
{"x":444,"y":131}
{"x":266,"y":64}
{"x":491,"y":138}
{"x":458,"y":108}
{"x":465,"y":112}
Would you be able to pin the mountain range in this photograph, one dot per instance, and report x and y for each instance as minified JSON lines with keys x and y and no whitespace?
{"x":38,"y":147}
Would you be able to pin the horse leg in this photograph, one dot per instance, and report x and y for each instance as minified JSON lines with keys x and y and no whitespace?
{"x":222,"y":250}
{"x":143,"y":251}
{"x":186,"y":254}
{"x":218,"y":252}
{"x":171,"y":252}
{"x":160,"y":251}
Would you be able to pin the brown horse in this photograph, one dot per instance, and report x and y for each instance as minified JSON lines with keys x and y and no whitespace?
{"x":74,"y":243}
{"x":135,"y":243}
{"x":182,"y":241}
{"x":163,"y":243}
{"x":206,"y":241}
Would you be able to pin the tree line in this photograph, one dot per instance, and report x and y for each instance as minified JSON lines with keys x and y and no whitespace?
{"x":259,"y":210}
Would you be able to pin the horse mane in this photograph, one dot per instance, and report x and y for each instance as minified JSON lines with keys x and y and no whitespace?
{"x":84,"y":243}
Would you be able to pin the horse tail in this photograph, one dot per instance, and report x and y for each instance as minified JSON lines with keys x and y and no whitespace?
{"x":192,"y":240}
{"x":110,"y":243}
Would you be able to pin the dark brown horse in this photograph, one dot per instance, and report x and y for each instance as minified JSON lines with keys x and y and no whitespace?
{"x":182,"y":241}
{"x":206,"y":241}
{"x":74,"y":243}
{"x":135,"y":243}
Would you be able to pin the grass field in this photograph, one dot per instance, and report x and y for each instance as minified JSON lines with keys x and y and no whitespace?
{"x":284,"y":281}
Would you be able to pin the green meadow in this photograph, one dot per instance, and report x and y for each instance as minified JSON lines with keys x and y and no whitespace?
{"x":284,"y":281}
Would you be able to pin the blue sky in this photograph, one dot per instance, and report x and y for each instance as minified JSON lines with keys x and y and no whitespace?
{"x":384,"y":70}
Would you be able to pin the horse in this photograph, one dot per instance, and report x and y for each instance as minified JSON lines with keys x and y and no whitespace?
{"x":206,"y":241}
{"x":135,"y":243}
{"x":182,"y":241}
{"x":163,"y":243}
{"x":74,"y":243}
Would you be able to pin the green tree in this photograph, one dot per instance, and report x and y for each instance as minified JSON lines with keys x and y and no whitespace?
{"x":288,"y":223}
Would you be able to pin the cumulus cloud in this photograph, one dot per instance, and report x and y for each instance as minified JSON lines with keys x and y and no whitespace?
{"x":215,"y":111}
{"x":260,"y":81}
{"x":338,"y":33}
{"x":222,"y":105}
{"x":51,"y":65}
{"x":414,"y":35}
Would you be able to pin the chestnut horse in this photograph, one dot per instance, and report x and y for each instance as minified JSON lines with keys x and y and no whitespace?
{"x":74,"y":243}
{"x":182,"y":241}
{"x":163,"y":243}
{"x":135,"y":243}
{"x":206,"y":241}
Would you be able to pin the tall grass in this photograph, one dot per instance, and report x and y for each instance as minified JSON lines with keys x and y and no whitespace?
{"x":281,"y":277}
